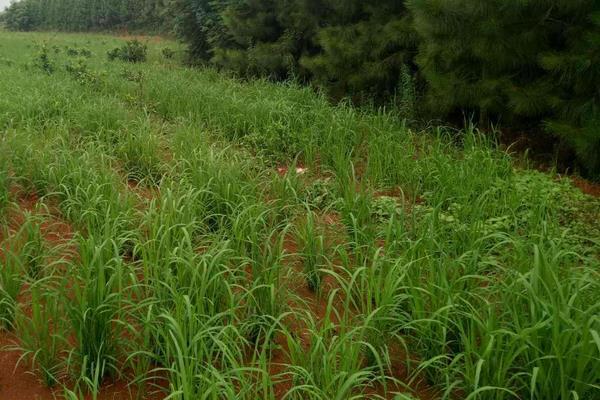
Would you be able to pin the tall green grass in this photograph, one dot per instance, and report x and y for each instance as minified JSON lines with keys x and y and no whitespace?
{"x":433,"y":259}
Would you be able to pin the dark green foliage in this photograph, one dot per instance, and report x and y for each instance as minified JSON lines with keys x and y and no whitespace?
{"x":132,"y":51}
{"x":197,"y":22}
{"x":258,"y":40}
{"x":517,"y":63}
{"x":532,"y":65}
{"x":364,"y":48}
{"x":575,"y":71}
{"x":21,"y":16}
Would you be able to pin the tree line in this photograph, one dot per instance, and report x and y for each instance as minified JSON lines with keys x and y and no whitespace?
{"x":532,"y":65}
{"x":86,"y":15}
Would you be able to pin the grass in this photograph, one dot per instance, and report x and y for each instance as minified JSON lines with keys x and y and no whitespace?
{"x":244,"y":240}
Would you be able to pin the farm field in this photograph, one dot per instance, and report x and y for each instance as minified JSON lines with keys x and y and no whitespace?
{"x":171,"y":232}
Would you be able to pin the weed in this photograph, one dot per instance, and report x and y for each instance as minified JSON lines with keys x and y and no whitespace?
{"x":82,"y":73}
{"x":11,"y":281}
{"x":43,"y":61}
{"x":132,"y":51}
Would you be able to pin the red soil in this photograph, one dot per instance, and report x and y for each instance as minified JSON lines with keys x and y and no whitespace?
{"x":18,"y":383}
{"x":587,"y":187}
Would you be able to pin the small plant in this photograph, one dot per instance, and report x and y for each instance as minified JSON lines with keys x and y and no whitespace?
{"x":132,"y":51}
{"x":34,"y":250}
{"x":85,"y":52}
{"x":42,"y":334}
{"x":10,"y":287}
{"x":168,"y":53}
{"x":384,"y":208}
{"x":311,"y":245}
{"x":74,"y":52}
{"x":43,"y":60}
{"x":82,"y":74}
{"x":139,"y":78}
{"x":319,"y":194}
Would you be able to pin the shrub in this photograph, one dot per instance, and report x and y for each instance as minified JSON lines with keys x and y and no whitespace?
{"x":80,"y":71}
{"x":43,"y":61}
{"x":132,"y":51}
{"x":168,"y":53}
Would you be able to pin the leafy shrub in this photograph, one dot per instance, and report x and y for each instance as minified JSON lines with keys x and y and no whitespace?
{"x":319,"y":194}
{"x":132,"y":51}
{"x":42,"y":60}
{"x":385,"y":208}
{"x":82,"y":74}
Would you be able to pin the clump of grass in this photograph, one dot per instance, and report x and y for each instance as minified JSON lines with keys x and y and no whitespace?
{"x":34,"y":249}
{"x":141,"y":154}
{"x":42,"y":334}
{"x":11,"y":282}
{"x":4,"y":186}
{"x":331,"y":365}
{"x":94,"y":306}
{"x":168,"y":53}
{"x":311,"y":247}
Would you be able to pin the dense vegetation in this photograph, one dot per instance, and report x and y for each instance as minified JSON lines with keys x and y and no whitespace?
{"x":249,"y":240}
{"x":532,"y":66}
{"x":87,"y":15}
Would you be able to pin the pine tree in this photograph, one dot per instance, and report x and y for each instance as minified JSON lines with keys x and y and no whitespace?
{"x":515,"y":62}
{"x":198,"y":23}
{"x":574,"y":72}
{"x":364,"y":47}
{"x":256,"y":41}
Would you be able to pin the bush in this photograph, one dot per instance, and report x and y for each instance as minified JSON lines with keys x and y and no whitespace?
{"x":80,"y":71}
{"x":43,"y":61}
{"x":168,"y":53}
{"x":132,"y":51}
